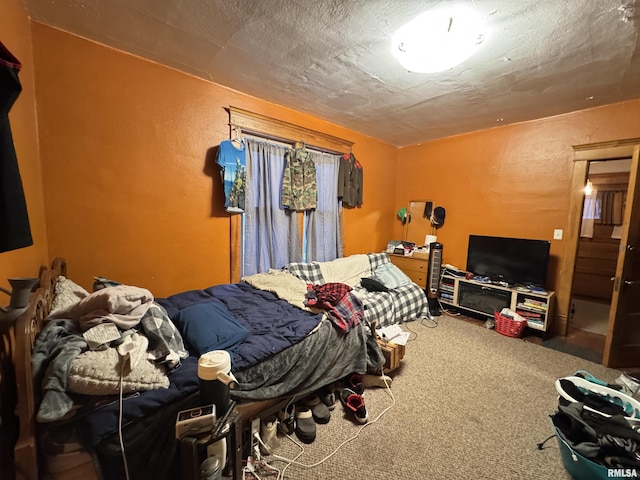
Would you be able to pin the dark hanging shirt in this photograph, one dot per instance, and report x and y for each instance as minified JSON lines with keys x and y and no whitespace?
{"x":350,"y":181}
{"x":14,"y":220}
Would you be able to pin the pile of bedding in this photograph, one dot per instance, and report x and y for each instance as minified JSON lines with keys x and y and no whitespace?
{"x":267,"y":330}
{"x":388,"y":296}
{"x":64,"y":364}
{"x":289,"y":349}
{"x":279,"y":345}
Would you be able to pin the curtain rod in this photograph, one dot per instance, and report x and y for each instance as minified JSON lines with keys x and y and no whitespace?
{"x":261,"y":125}
{"x":286,"y":143}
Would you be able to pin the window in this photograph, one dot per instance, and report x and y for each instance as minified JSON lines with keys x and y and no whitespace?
{"x":604,"y":201}
{"x":272,"y":235}
{"x":266,"y":235}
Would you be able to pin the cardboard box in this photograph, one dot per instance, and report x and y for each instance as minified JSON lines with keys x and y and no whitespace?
{"x":393,"y":354}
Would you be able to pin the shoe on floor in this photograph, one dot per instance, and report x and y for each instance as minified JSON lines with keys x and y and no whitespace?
{"x":286,"y":420}
{"x":369,"y":380}
{"x":354,"y":382}
{"x":328,"y":397}
{"x":319,"y":410}
{"x":630,"y":385}
{"x":305,"y":424}
{"x":354,"y":403}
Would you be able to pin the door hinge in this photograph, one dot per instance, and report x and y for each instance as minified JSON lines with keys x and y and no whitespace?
{"x":616,"y":284}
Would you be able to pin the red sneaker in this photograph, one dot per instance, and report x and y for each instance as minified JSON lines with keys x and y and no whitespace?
{"x":354,"y":403}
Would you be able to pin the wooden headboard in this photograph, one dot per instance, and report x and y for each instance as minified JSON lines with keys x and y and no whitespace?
{"x":17,"y":403}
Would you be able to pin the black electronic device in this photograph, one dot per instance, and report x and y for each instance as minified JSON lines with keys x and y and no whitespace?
{"x":511,"y":260}
{"x":482,"y":298}
{"x":433,"y":277}
{"x":195,"y":420}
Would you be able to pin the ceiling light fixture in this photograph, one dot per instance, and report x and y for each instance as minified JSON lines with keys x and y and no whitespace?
{"x":438,"y":40}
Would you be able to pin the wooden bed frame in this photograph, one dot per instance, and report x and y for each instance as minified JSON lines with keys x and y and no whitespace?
{"x":17,"y":404}
{"x":18,"y":445}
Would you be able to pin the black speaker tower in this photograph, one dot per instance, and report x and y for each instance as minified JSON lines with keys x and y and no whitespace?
{"x":433,"y":277}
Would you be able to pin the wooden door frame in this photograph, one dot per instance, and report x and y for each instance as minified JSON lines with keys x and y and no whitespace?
{"x":583,"y":154}
{"x":617,"y":352}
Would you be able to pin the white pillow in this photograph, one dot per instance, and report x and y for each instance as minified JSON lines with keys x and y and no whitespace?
{"x":66,"y":293}
{"x":347,"y":270}
{"x":391,"y":276}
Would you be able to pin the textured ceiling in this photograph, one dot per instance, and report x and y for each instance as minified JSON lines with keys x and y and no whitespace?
{"x":333,"y":59}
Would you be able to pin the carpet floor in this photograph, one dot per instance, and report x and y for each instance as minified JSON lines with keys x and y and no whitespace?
{"x":466,"y":402}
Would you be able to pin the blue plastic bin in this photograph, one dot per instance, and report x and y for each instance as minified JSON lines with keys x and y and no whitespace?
{"x":579,"y":467}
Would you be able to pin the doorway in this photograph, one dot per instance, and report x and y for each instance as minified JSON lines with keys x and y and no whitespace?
{"x":597,"y":252}
{"x":622,"y":338}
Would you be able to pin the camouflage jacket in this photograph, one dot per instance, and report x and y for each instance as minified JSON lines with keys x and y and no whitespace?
{"x":299,"y":186}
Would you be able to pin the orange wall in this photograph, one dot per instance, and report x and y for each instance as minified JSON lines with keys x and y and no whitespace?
{"x":15,"y":34}
{"x":132,"y":193}
{"x":131,"y":185}
{"x":507,"y":181}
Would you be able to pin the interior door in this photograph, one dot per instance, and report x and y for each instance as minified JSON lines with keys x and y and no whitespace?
{"x":622,"y":344}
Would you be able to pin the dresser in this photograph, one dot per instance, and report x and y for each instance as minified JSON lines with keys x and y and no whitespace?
{"x":414,"y":267}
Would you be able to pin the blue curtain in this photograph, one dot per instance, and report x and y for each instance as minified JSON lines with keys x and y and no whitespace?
{"x":323,"y":230}
{"x":271,"y":236}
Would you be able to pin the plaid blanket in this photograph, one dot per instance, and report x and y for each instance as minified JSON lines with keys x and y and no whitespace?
{"x":165,"y":342}
{"x":343,"y":308}
{"x":401,"y":304}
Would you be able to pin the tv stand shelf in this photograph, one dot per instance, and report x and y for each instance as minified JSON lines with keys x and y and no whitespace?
{"x":485,"y":299}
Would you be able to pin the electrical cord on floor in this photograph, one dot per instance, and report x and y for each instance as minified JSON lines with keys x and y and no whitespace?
{"x":433,"y":322}
{"x":252,"y":464}
{"x":447,"y":312}
{"x":123,"y":361}
{"x":289,"y":463}
{"x":415,"y":337}
{"x":252,"y":467}
{"x":357,"y":434}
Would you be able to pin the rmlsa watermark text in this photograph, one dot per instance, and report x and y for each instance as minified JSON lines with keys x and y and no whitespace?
{"x":622,"y":473}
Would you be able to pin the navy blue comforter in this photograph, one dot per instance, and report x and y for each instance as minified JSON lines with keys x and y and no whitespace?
{"x":273,"y":324}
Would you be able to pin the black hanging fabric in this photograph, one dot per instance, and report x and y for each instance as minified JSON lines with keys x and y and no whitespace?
{"x":14,"y":219}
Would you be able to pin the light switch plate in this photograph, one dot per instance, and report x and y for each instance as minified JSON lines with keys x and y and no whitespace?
{"x":557,"y":234}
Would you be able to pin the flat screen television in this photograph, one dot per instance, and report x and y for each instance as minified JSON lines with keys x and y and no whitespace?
{"x":511,"y":260}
